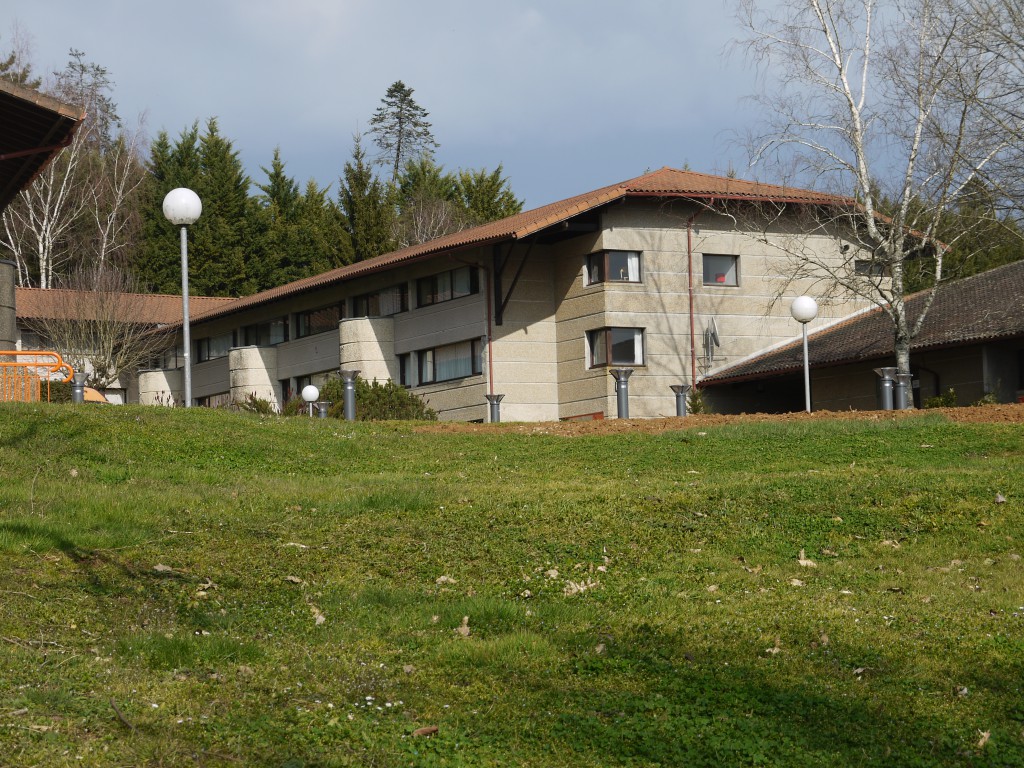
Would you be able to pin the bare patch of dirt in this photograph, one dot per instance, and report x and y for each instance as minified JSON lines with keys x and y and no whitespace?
{"x":980,"y":414}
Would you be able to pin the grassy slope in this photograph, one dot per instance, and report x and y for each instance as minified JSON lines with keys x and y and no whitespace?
{"x":215,"y":589}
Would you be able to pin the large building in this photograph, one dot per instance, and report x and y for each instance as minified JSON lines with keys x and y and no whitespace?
{"x":655,"y":274}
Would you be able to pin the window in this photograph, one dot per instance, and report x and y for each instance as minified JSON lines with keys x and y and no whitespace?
{"x":446,"y":286}
{"x":405,"y":370}
{"x":613,"y":267}
{"x":389,"y":301}
{"x":317,"y":321}
{"x":452,"y":361}
{"x":616,"y":346}
{"x":720,"y":270}
{"x":870,"y":268}
{"x":266,"y":334}
{"x":214,"y":347}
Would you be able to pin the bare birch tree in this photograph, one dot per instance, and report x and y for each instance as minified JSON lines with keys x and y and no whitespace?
{"x":80,"y":208}
{"x":99,"y":324}
{"x":890,"y":104}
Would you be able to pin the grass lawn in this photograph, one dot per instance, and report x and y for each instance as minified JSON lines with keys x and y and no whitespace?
{"x":216,"y":589}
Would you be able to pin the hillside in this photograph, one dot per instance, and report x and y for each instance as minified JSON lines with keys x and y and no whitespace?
{"x":211,"y":588}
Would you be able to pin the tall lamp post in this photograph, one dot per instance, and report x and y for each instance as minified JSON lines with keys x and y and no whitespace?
{"x":804,"y":309}
{"x":182,"y":207}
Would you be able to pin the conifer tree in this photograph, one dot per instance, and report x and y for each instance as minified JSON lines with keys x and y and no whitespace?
{"x":367,"y":206}
{"x":400,"y":129}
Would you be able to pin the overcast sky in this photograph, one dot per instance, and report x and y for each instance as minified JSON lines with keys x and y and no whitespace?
{"x":569,"y":95}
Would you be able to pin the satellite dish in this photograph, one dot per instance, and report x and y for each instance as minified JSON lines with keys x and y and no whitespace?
{"x":713,"y":333}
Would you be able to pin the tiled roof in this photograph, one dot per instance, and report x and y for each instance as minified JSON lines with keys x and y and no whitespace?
{"x":153,"y":308}
{"x":666,"y":182}
{"x":983,"y":307}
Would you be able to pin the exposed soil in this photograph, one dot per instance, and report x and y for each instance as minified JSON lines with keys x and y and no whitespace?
{"x":983,"y":414}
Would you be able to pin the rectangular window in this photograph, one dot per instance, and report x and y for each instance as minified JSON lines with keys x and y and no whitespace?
{"x":446,"y":286}
{"x":869,"y":268}
{"x":266,"y":334}
{"x":721,"y":270}
{"x":405,"y":370}
{"x":616,"y":346}
{"x":389,"y":301}
{"x":452,"y":361}
{"x":214,"y":347}
{"x":613,"y":267}
{"x":317,"y":321}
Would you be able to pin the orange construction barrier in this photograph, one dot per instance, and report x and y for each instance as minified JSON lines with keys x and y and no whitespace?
{"x":23,"y":378}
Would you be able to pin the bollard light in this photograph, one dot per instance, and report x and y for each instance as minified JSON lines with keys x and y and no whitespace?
{"x":310,"y":394}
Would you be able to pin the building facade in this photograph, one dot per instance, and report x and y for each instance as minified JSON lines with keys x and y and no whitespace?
{"x":654,"y":274}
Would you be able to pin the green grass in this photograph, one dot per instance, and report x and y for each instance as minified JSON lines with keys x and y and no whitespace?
{"x":207,"y":588}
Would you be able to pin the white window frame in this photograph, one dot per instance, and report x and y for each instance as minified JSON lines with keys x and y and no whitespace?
{"x":602,"y":344}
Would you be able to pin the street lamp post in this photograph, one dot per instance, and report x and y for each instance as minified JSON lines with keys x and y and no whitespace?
{"x":804,"y":309}
{"x":182,"y":207}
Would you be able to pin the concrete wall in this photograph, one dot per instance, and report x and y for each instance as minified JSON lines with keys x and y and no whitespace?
{"x":211,"y":377}
{"x":309,"y":355}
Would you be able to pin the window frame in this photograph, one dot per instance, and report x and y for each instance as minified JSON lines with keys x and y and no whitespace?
{"x":427,"y":363}
{"x":430,"y":291}
{"x":870,"y":268}
{"x":305,"y":327}
{"x":602,"y":340}
{"x":257,"y":330}
{"x":364,"y":302}
{"x":598,"y":267}
{"x":205,"y":349}
{"x":724,"y":283}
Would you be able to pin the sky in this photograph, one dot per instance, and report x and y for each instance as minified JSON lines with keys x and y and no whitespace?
{"x":568,"y":95}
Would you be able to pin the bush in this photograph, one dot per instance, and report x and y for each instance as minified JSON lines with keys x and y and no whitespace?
{"x":254,"y":404}
{"x":375,"y":401}
{"x":695,"y":402}
{"x":947,"y":400}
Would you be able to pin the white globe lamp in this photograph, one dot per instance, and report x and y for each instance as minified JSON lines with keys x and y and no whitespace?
{"x":182,"y":207}
{"x":804,"y":309}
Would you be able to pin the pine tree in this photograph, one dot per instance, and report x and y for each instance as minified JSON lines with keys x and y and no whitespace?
{"x":225,"y":233}
{"x":400,"y":129}
{"x":367,"y":206}
{"x":487,"y":196}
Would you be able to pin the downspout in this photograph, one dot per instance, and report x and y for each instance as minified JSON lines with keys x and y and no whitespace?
{"x":490,"y":346}
{"x":689,"y":270}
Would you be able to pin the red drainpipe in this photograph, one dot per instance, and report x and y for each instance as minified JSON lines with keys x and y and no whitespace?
{"x":490,"y":347}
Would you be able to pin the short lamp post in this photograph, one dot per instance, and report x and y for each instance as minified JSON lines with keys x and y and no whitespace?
{"x":310,"y":394}
{"x":804,"y":309}
{"x":182,"y":207}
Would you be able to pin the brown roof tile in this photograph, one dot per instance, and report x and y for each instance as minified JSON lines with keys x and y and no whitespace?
{"x":153,"y":308}
{"x":986,"y":306}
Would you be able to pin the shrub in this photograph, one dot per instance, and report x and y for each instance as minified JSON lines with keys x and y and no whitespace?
{"x":375,"y":401}
{"x":947,"y":400}
{"x":254,"y":404}
{"x":695,"y":402}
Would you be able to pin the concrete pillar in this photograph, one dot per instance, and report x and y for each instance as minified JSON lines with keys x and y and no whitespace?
{"x":8,"y":316}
